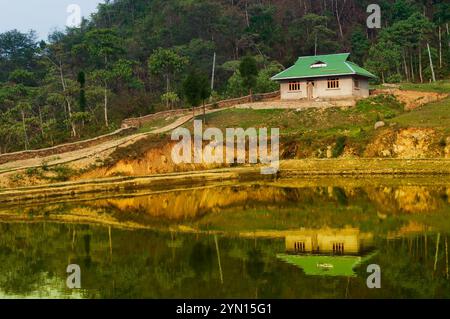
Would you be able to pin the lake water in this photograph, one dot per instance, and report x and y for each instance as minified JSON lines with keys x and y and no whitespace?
{"x":283,"y":239}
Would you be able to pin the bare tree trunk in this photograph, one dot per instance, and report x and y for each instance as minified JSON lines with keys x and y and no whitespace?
{"x":106,"y":94}
{"x":247,"y":19}
{"x":218,"y":258}
{"x":167,"y":90}
{"x":448,"y":35}
{"x":412,"y":67}
{"x":339,"y":21}
{"x":25,"y":135}
{"x":406,"y":67}
{"x":420,"y":65}
{"x":315,"y":45}
{"x":437,"y":251}
{"x":41,"y":123}
{"x":69,"y":106}
{"x":106,"y":104}
{"x":431,"y":63}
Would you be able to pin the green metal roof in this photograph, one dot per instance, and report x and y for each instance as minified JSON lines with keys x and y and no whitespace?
{"x":336,"y":65}
{"x":316,"y":265}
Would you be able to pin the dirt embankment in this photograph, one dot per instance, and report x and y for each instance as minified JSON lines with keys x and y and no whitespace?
{"x":413,"y":99}
{"x":143,"y":154}
{"x":409,"y":143}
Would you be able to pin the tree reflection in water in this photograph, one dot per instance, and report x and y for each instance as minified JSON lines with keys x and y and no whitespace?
{"x":219,"y":242}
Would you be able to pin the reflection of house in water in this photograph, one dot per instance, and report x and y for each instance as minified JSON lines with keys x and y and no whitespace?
{"x":329,"y":252}
{"x":328,"y":241}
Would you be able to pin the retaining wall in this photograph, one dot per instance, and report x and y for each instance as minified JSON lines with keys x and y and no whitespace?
{"x":63,"y":148}
{"x":128,"y":126}
{"x":139,"y":121}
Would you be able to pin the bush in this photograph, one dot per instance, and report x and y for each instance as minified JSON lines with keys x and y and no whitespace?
{"x":394,"y":78}
{"x":340,"y":146}
{"x":63,"y":173}
{"x":389,"y":114}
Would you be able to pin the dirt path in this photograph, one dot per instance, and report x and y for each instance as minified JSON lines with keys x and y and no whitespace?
{"x":88,"y":156}
{"x":85,"y":157}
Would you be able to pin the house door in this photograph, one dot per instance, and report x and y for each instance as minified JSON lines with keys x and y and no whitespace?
{"x":310,"y":89}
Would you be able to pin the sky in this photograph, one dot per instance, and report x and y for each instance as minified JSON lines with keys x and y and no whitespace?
{"x":43,"y":16}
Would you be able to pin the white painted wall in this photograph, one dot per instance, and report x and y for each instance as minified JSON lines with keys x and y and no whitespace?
{"x":297,"y":95}
{"x":346,"y":89}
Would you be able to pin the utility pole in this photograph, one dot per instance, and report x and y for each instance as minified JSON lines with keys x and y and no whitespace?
{"x":440,"y":47}
{"x":431,"y":63}
{"x":213,"y":72}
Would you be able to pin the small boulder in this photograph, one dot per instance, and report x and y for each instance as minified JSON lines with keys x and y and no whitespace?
{"x":379,"y":124}
{"x":329,"y":152}
{"x":386,"y":153}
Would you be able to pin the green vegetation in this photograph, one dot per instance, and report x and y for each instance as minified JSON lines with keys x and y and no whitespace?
{"x":438,"y":87}
{"x":408,"y":238}
{"x":433,"y":115}
{"x":340,"y":145}
{"x":315,"y":128}
{"x":57,"y":173}
{"x":131,"y":58}
{"x":157,"y":123}
{"x":248,"y":69}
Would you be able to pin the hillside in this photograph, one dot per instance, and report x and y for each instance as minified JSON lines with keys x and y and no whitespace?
{"x":133,"y":57}
{"x":349,"y":134}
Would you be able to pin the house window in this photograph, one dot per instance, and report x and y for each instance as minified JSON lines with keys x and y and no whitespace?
{"x":338,"y":248}
{"x":333,"y":83}
{"x":294,"y":86}
{"x":299,"y":247}
{"x":318,"y":64}
{"x":356,"y":81}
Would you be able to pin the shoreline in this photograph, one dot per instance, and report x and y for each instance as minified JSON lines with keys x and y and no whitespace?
{"x":330,"y":169}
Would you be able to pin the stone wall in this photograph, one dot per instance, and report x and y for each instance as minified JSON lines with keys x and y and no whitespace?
{"x":128,"y":126}
{"x":139,"y":121}
{"x":70,"y":147}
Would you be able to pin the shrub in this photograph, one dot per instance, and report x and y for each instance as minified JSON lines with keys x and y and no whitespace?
{"x":63,"y":173}
{"x":394,"y":78}
{"x":340,"y":146}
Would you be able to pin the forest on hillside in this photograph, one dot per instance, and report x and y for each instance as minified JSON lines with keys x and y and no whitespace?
{"x":135,"y":57}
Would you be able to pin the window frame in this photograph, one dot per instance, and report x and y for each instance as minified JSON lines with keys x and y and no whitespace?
{"x":333,"y":83}
{"x":295,"y":86}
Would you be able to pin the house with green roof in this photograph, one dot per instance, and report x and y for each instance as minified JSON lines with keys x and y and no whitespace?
{"x":324,"y":77}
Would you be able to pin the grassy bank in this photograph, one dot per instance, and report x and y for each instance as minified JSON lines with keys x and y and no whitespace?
{"x":438,"y":87}
{"x":333,"y":168}
{"x":433,"y":115}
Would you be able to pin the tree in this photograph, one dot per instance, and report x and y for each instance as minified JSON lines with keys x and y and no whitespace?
{"x":264,"y":83}
{"x":82,"y":97}
{"x":360,"y":46}
{"x":166,"y":62}
{"x":319,"y":39}
{"x":106,"y":45}
{"x":196,"y":89}
{"x":204,"y":92}
{"x":170,"y":98}
{"x":191,"y":89}
{"x":17,"y":51}
{"x":383,"y":58}
{"x":249,"y":71}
